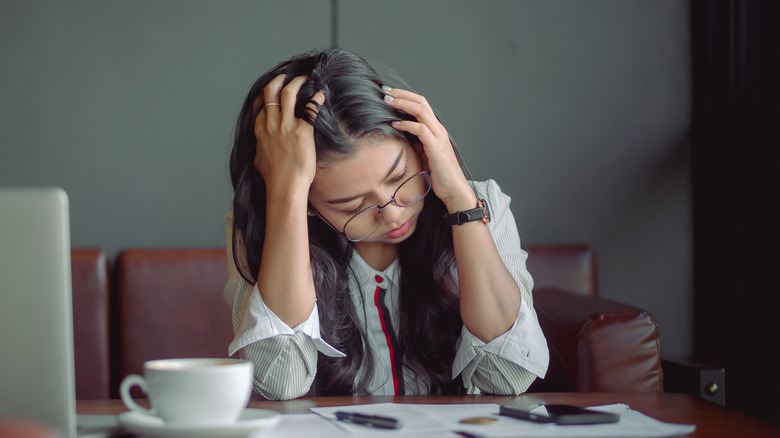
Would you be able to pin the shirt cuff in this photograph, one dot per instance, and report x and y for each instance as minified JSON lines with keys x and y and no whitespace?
{"x":258,"y":322}
{"x":523,"y":344}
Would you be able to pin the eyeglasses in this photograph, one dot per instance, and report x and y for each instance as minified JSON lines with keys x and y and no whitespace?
{"x":365,"y":222}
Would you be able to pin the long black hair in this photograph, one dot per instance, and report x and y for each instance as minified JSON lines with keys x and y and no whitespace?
{"x":354,"y":109}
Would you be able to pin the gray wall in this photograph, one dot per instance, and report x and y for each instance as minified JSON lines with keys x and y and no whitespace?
{"x":580,"y":110}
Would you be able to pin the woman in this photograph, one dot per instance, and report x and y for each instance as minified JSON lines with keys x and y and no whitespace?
{"x":345,"y":240}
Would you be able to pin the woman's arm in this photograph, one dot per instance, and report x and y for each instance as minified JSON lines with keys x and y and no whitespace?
{"x":286,"y":159}
{"x":285,"y":358}
{"x":489,"y":297}
{"x":509,"y":363}
{"x":285,"y":280}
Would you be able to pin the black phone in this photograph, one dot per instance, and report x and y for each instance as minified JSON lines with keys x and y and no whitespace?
{"x":558,"y":414}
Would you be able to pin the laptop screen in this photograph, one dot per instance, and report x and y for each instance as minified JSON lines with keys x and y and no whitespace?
{"x":36,"y":330}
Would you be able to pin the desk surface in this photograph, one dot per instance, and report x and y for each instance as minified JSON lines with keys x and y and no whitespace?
{"x":711,"y":420}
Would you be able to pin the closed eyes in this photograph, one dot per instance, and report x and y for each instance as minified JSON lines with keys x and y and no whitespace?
{"x":394,"y":181}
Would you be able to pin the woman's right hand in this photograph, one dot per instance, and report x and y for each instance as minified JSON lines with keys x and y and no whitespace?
{"x":286,"y":156}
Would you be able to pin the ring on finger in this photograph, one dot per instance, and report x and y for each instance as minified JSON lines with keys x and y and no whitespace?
{"x":273,"y":104}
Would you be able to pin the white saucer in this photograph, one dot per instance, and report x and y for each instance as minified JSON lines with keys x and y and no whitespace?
{"x":251,"y":420}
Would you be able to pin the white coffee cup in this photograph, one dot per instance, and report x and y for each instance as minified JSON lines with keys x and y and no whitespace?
{"x":192,"y":391}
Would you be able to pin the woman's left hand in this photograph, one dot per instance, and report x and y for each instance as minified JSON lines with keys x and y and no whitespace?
{"x":448,"y":181}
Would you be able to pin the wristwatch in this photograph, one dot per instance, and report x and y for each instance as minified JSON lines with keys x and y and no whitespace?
{"x":481,"y":213}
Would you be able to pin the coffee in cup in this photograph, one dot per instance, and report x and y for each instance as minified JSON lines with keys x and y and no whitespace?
{"x":192,"y":391}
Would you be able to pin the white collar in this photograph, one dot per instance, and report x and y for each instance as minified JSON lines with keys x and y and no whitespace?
{"x":367,"y":275}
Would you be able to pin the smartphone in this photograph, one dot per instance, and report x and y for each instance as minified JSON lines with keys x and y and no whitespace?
{"x":558,"y":414}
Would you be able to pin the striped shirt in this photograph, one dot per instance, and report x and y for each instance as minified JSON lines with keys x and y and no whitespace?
{"x":285,"y":358}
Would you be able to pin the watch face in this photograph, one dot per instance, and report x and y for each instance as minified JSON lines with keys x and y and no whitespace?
{"x":485,"y":211}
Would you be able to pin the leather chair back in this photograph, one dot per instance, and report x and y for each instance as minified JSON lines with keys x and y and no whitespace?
{"x":89,"y":273}
{"x":170,"y":305}
{"x":597,"y":345}
{"x":567,"y":267}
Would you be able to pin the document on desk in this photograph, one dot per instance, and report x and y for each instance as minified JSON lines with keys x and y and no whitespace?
{"x":303,"y":425}
{"x":440,"y":420}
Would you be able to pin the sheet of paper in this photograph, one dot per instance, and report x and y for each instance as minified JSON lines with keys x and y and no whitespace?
{"x":432,"y":420}
{"x":302,"y":425}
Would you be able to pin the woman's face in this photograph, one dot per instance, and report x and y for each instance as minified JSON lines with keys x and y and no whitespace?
{"x":368,"y":177}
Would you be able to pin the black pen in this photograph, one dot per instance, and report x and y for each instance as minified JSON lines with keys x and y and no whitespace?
{"x":368,"y":420}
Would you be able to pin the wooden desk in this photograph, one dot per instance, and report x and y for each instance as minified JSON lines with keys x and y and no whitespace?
{"x":711,"y":420}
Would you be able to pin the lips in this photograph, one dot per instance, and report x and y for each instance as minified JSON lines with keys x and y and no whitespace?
{"x":400,"y":231}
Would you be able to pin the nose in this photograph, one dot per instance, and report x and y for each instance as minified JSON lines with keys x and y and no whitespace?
{"x":392,"y":213}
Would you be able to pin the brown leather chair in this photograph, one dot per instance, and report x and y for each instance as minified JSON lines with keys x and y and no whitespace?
{"x":595,"y":344}
{"x":89,"y":273}
{"x":170,"y":305}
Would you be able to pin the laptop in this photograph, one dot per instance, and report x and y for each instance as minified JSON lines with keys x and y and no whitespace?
{"x":36,"y":319}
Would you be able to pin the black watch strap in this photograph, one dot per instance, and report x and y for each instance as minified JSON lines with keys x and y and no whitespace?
{"x":481,"y":213}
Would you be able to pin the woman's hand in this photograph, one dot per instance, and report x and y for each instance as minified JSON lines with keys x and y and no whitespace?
{"x":285,"y":157}
{"x":448,"y":181}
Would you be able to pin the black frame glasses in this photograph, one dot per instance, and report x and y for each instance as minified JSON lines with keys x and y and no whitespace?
{"x":426,"y":180}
